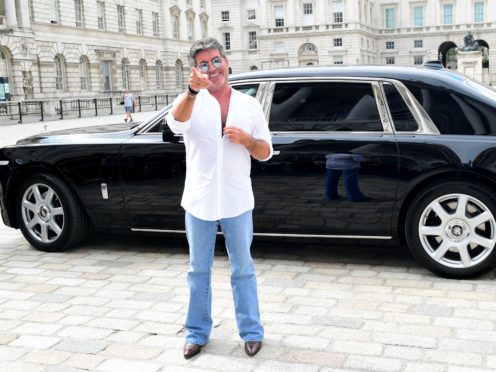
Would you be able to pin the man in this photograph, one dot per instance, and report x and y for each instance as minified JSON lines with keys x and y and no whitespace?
{"x":221,"y":128}
{"x":129,"y":103}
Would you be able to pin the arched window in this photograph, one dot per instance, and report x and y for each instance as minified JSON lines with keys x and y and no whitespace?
{"x":4,"y":66}
{"x":84,"y":73}
{"x":142,"y":72}
{"x":59,"y":73}
{"x":253,"y":68}
{"x":125,"y":73}
{"x":158,"y":74}
{"x":179,"y":75}
{"x":4,"y":74}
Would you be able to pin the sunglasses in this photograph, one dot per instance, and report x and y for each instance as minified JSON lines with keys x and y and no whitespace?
{"x":216,"y":62}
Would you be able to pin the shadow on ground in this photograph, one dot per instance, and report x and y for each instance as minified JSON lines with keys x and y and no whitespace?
{"x":348,"y":252}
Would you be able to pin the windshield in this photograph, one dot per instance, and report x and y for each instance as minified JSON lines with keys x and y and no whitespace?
{"x":152,"y":119}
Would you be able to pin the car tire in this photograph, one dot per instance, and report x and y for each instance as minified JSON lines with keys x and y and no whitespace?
{"x":49,"y":213}
{"x":451,"y":228}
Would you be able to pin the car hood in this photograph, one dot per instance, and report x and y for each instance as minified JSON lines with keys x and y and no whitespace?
{"x":93,"y":134}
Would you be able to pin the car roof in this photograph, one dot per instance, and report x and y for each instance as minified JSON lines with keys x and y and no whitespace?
{"x":427,"y":75}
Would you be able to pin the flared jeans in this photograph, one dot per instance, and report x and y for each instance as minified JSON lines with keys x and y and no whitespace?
{"x":238,"y":235}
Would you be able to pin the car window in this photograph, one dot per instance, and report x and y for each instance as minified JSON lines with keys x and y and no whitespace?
{"x":249,"y":89}
{"x":403,"y":119}
{"x":455,"y":113}
{"x":324,"y":106}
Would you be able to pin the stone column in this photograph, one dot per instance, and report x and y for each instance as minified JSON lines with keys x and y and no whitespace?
{"x":25,"y":21}
{"x":10,"y":12}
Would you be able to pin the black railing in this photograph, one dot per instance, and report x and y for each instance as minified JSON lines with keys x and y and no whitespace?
{"x":18,"y":111}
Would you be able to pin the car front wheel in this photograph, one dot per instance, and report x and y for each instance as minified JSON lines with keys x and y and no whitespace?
{"x":451,"y":228}
{"x":49,"y":213}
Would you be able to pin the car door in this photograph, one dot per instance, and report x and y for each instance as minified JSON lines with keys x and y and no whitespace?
{"x":152,"y":175}
{"x":335,"y":166}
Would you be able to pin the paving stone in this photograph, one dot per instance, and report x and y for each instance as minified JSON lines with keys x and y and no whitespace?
{"x":354,"y":347}
{"x":35,"y":342}
{"x":81,"y":346}
{"x":82,"y":332}
{"x":276,"y":366}
{"x":131,"y":351}
{"x":20,"y":367}
{"x":316,"y":358}
{"x":374,"y":363}
{"x":9,"y":353}
{"x":305,"y":342}
{"x":45,"y":357}
{"x":424,"y":367}
{"x":113,"y":323}
{"x":37,"y":328}
{"x":126,"y":365}
{"x":86,"y":361}
{"x":455,"y":357}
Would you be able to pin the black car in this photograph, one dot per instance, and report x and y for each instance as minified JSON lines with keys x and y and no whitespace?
{"x":359,"y":152}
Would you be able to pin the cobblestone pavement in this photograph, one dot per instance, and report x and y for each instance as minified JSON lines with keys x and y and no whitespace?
{"x":118,"y":304}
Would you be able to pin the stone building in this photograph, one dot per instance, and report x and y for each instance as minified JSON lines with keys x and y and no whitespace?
{"x":54,"y":49}
{"x":264,"y":34}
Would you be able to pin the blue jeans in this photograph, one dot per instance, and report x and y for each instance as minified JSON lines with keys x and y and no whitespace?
{"x":238,"y":234}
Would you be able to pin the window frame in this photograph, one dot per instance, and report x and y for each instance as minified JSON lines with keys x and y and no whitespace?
{"x":389,"y":18}
{"x":418,"y":20}
{"x":100,"y":15}
{"x":479,"y":11}
{"x":279,"y":12}
{"x":226,"y":38}
{"x":59,"y":73}
{"x":121,"y":18}
{"x":251,"y":14}
{"x":79,"y":13}
{"x":448,"y":18}
{"x":155,"y":24}
{"x":252,"y":40}
{"x":139,"y":21}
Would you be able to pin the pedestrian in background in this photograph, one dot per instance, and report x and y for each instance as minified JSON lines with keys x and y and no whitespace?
{"x":129,"y":103}
{"x":222,"y":128}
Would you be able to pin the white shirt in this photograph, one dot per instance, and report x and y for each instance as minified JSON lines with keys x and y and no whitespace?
{"x":218,"y":183}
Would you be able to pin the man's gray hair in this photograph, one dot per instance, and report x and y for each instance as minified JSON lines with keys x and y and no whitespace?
{"x":204,"y":44}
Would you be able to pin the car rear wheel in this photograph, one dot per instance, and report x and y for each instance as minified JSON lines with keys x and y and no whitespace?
{"x":451,"y":228}
{"x":49,"y":213}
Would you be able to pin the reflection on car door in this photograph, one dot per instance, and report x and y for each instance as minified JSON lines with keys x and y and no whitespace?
{"x":334,"y":169}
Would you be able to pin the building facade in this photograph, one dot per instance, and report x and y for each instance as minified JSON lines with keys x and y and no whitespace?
{"x":55,"y":49}
{"x":265,"y":34}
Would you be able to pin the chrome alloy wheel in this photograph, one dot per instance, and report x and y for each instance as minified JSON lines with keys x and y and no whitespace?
{"x":457,"y":230}
{"x":42,"y":213}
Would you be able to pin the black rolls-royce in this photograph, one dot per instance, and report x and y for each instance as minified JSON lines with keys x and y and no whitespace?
{"x":360,"y":152}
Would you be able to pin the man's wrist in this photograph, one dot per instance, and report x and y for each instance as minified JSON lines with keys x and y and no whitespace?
{"x":191,"y":91}
{"x":251,"y":144}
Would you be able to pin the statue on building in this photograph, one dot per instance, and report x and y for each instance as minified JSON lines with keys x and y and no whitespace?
{"x":27,"y":84}
{"x":469,"y":43}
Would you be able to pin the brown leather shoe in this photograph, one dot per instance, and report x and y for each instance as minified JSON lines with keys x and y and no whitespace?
{"x":190,"y":350}
{"x":252,"y":347}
